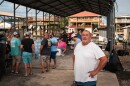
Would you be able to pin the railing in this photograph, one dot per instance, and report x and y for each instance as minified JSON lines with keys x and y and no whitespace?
{"x":84,"y":20}
{"x":120,"y":21}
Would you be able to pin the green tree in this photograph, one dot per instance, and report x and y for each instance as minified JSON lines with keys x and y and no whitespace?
{"x":64,"y":22}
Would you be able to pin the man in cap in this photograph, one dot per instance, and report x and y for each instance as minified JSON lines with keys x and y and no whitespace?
{"x":27,"y":45}
{"x":15,"y":52}
{"x":75,"y":39}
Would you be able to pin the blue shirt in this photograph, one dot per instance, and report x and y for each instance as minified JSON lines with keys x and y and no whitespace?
{"x":79,"y":36}
{"x":53,"y":47}
{"x":15,"y":47}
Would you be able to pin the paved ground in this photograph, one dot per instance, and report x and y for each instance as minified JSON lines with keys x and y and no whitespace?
{"x":61,"y":76}
{"x":124,"y":77}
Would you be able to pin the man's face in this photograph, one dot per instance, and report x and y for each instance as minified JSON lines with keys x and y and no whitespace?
{"x":73,"y":38}
{"x":86,"y":37}
{"x":46,"y":36}
{"x":17,"y":36}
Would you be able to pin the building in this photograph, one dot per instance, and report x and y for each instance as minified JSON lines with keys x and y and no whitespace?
{"x":121,"y":22}
{"x":85,"y":20}
{"x":52,"y":22}
{"x":48,"y":24}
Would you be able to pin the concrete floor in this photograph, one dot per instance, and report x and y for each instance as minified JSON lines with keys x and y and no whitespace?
{"x":61,"y":76}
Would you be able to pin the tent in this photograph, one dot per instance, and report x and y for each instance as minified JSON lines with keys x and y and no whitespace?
{"x":5,"y":25}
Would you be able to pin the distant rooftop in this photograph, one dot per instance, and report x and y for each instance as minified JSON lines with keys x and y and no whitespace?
{"x":123,"y":16}
{"x":2,"y":13}
{"x":85,"y":13}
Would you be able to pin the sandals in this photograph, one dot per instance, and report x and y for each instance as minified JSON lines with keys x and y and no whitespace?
{"x":16,"y":72}
{"x":42,"y":71}
{"x":25,"y":75}
{"x":30,"y":73}
{"x":54,"y":67}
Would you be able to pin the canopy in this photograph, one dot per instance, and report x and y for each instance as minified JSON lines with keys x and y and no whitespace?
{"x":66,"y":8}
{"x":5,"y":25}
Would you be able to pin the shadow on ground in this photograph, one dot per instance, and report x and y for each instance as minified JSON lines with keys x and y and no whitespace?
{"x":124,"y":78}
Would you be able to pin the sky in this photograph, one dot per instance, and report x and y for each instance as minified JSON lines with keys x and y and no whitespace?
{"x":122,"y":8}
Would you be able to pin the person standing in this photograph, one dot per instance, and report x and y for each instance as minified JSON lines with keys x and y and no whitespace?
{"x":15,"y":52}
{"x":53,"y":49}
{"x":86,"y":66}
{"x":64,"y":36}
{"x":27,"y":46}
{"x":45,"y":51}
{"x":75,"y":41}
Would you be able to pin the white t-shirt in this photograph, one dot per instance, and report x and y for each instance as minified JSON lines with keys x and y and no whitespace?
{"x":86,"y":59}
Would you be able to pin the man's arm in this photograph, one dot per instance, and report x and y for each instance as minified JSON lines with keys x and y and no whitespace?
{"x":32,"y":48}
{"x":102,"y":63}
{"x":21,"y":47}
{"x":41,"y":48}
{"x":42,"y":45}
{"x":73,"y":58}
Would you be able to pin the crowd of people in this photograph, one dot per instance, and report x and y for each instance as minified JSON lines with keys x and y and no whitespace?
{"x":44,"y":48}
{"x":88,"y":58}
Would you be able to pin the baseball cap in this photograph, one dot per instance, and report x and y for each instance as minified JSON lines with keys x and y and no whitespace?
{"x":73,"y":35}
{"x":15,"y":33}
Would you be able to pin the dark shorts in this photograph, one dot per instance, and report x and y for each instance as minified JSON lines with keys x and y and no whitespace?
{"x":92,"y":83}
{"x":53,"y":55}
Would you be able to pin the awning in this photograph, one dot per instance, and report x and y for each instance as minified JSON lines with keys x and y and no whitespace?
{"x":66,"y":8}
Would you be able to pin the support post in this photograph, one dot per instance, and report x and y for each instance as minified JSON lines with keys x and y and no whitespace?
{"x":27,"y":18}
{"x":14,"y":16}
{"x":49,"y":22}
{"x":43,"y":29}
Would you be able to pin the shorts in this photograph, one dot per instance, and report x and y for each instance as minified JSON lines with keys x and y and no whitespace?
{"x":44,"y":58}
{"x":27,"y":57}
{"x":53,"y":55}
{"x":91,"y":83}
{"x":16,"y":59}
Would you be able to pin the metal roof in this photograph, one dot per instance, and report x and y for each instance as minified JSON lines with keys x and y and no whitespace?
{"x":66,"y":8}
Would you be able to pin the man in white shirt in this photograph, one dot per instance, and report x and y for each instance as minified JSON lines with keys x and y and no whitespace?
{"x":88,"y":60}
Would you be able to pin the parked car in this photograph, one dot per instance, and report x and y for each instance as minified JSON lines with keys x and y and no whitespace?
{"x":120,"y":38}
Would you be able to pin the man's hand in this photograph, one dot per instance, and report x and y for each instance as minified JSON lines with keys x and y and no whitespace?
{"x":92,"y":73}
{"x":33,"y":54}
